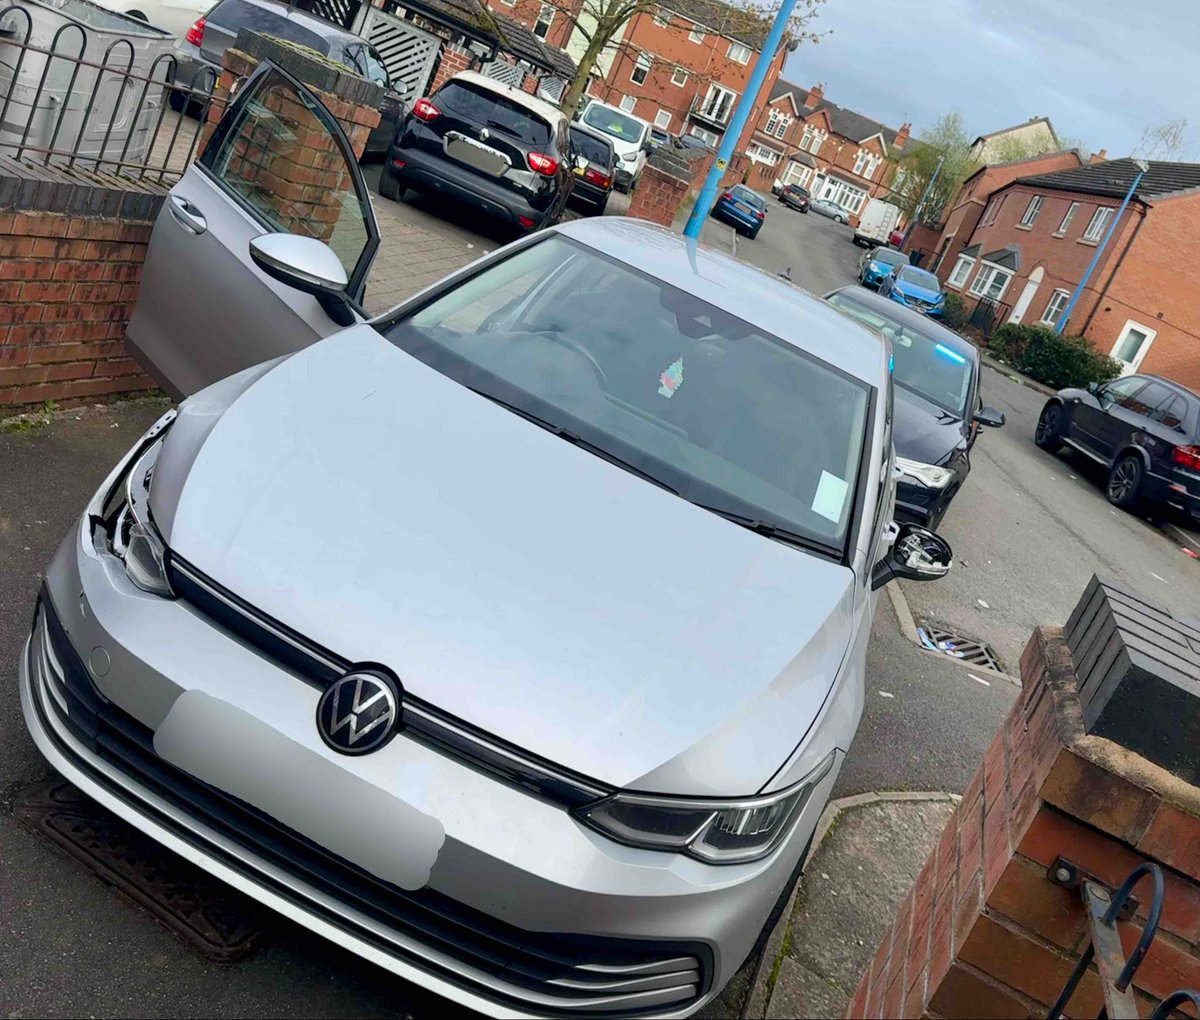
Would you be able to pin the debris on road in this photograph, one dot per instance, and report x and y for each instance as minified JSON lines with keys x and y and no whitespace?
{"x":982,"y":604}
{"x":886,"y":694}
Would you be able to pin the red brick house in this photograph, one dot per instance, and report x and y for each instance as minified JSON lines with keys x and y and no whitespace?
{"x":802,"y":138}
{"x":1037,"y":234}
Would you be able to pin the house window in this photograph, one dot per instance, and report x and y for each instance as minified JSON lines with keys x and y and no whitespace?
{"x":962,"y":269}
{"x":695,"y":35}
{"x":707,"y":137}
{"x":812,"y":139}
{"x":1054,"y":310}
{"x":545,"y":18}
{"x":1066,"y":220}
{"x":661,"y":18}
{"x":718,"y":103}
{"x":860,"y":162}
{"x":679,"y":77}
{"x":991,"y":282}
{"x":740,"y":53}
{"x":992,"y":211}
{"x":628,"y":103}
{"x":844,"y":194}
{"x":640,"y":69}
{"x":1031,"y":211}
{"x":761,"y":154}
{"x":797,"y":173}
{"x":781,"y":128}
{"x":773,"y":119}
{"x":1100,"y":219}
{"x":662,"y":119}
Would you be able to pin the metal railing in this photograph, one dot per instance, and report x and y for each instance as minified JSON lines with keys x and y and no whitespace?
{"x":987,"y":316}
{"x":75,"y":102}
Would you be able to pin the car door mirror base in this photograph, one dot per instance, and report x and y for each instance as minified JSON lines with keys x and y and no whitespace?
{"x":916,"y":555}
{"x":308,"y":265}
{"x":990,"y":417}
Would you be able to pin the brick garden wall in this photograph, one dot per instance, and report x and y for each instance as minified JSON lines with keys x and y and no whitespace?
{"x":658,"y":196}
{"x":984,"y":932}
{"x":453,"y":60}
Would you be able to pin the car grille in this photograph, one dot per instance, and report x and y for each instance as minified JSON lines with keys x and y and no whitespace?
{"x":558,"y":974}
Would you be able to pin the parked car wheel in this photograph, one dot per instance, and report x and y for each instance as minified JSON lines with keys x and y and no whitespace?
{"x":1049,"y":428}
{"x":176,"y":101}
{"x":389,"y":187}
{"x":1125,"y":482}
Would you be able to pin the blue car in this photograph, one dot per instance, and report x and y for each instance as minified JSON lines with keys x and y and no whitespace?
{"x":915,"y":288}
{"x":878,"y":263}
{"x":743,"y":209}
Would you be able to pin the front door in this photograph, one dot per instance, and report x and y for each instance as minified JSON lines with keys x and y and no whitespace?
{"x":1026,"y":298}
{"x":277,"y":163}
{"x":1131,"y":346}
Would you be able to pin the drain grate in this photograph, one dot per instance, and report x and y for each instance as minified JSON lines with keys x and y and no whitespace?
{"x":966,"y":649}
{"x":208,"y":916}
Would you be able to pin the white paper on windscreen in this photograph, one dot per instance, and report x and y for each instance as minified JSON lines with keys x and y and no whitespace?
{"x":830,"y":499}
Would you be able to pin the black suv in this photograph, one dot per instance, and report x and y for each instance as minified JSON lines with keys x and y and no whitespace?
{"x":489,"y":145}
{"x":595,"y":168}
{"x":1144,"y":429}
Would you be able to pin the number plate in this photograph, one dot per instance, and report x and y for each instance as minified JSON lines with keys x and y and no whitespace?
{"x":476,"y":154}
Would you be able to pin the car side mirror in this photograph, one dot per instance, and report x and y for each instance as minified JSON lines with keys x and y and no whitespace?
{"x":1094,"y":389}
{"x":308,"y":265}
{"x":990,"y":417}
{"x":916,"y":555}
{"x":647,"y":147}
{"x":581,"y":162}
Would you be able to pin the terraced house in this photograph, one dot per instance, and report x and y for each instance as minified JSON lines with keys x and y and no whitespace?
{"x":800,"y":137}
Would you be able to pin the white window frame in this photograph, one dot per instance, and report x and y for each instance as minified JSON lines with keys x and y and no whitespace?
{"x":759,"y":153}
{"x":661,"y":18}
{"x":631,"y":100}
{"x":549,"y":22}
{"x":860,"y":163}
{"x":785,"y":122}
{"x":740,"y":47}
{"x":1129,"y":367}
{"x":797,"y":173}
{"x":695,"y":35}
{"x":818,"y":139}
{"x":962,"y":272}
{"x":710,"y":138}
{"x":1052,"y":313}
{"x":1031,"y":212}
{"x":844,"y":194}
{"x":660,"y":122}
{"x":712,"y":102}
{"x":679,"y":77}
{"x":773,"y":118}
{"x":1101,"y":218}
{"x":992,"y":210}
{"x":1068,"y":216}
{"x":642,"y":64}
{"x":984,"y":279}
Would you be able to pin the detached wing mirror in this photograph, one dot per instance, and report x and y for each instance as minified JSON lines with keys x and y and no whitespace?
{"x":916,"y":555}
{"x":309,"y":266}
{"x":990,"y":417}
{"x":581,"y":162}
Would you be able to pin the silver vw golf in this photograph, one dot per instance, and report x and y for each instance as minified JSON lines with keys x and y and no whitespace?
{"x":512,"y":640}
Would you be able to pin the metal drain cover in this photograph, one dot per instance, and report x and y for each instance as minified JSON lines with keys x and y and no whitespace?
{"x":207,"y":915}
{"x":966,"y":649}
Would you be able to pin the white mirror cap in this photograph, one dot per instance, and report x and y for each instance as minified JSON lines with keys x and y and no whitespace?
{"x":305,"y":258}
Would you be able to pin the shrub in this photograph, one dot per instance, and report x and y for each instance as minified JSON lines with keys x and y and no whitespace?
{"x":1055,"y":360}
{"x":954,"y":313}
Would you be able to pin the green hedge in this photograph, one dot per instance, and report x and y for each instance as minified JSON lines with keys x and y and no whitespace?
{"x":954,"y":313}
{"x":1057,"y":361}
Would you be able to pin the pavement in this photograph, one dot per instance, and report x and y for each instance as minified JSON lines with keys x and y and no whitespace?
{"x":1028,"y":530}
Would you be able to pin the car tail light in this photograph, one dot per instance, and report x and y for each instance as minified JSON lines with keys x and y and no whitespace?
{"x":728,"y":196}
{"x":760,"y":215}
{"x":399,"y":164}
{"x":525,"y":222}
{"x":195,"y":34}
{"x":594,"y":176}
{"x":425,"y":109}
{"x":543,"y":164}
{"x":1187,"y":456}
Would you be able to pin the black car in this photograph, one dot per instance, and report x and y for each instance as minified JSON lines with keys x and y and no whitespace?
{"x":595,"y":161}
{"x":1144,"y":429}
{"x":488,"y":145}
{"x":795,"y":196}
{"x":938,"y":409}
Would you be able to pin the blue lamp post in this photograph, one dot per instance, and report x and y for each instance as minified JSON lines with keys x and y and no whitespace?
{"x":1142,"y":167}
{"x":741,"y":114}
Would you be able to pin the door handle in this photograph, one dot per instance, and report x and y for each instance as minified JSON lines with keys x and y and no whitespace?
{"x":186,"y":215}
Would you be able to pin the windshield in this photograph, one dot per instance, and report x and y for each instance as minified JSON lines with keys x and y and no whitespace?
{"x":677,"y":390}
{"x":889,"y":257}
{"x":749,"y":197}
{"x":593,"y":149}
{"x":922,"y":364}
{"x":920,"y":278}
{"x":614,"y":122}
{"x":483,"y":106}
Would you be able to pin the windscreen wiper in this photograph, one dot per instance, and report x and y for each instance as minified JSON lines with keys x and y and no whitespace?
{"x":769,"y":530}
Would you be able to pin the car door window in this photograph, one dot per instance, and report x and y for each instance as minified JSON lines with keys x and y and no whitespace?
{"x":287,"y":162}
{"x":1121,"y":390}
{"x":366,"y":61}
{"x":1146,"y":399}
{"x":1170,"y":412}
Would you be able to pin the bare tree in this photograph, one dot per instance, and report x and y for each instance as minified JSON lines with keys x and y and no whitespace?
{"x":600,"y":24}
{"x":1167,"y":141}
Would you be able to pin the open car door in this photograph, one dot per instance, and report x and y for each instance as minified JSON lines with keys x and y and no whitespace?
{"x":278,"y":163}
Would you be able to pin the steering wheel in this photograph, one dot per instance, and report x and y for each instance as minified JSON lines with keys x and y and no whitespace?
{"x":574,"y":345}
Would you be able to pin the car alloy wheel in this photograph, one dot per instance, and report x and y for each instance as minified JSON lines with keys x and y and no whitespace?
{"x":1125,"y":482}
{"x":1049,"y":428}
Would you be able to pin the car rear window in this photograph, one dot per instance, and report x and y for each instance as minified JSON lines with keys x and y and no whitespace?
{"x":749,"y":197}
{"x":591,"y":148}
{"x":482,"y":106}
{"x":235,"y":14}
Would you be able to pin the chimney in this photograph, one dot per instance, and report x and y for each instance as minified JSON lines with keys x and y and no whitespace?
{"x":902,"y":136}
{"x":1099,"y":157}
{"x":815,"y":95}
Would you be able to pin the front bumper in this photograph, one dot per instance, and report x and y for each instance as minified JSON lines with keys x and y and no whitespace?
{"x":526,"y":911}
{"x":934,"y":311}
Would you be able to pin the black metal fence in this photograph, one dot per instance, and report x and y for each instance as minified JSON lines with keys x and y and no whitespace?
{"x":988,"y":315}
{"x":97,"y":100}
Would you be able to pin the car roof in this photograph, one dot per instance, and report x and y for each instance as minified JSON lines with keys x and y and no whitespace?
{"x":318,"y":26}
{"x":766,"y":302}
{"x":547,"y":111}
{"x":1177,"y":386}
{"x":915,"y":321}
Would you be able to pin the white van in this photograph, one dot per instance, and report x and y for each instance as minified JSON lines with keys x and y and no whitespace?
{"x":630,"y":137}
{"x":878,"y":221}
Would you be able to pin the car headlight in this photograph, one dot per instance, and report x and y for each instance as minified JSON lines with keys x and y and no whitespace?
{"x":928,"y":475}
{"x":714,"y":831}
{"x":132,"y":535}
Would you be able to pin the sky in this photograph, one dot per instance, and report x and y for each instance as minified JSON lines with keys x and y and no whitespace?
{"x":1101,"y":70}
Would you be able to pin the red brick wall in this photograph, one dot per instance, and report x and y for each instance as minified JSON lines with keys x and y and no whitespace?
{"x":984,"y":932}
{"x":452,"y":61}
{"x":67,"y":287}
{"x":657,"y":197}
